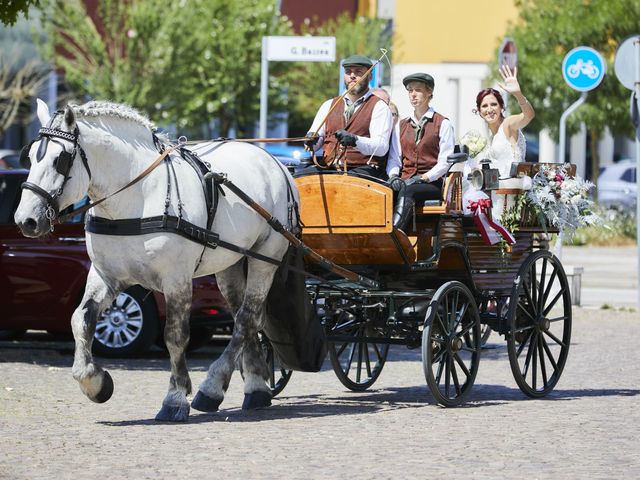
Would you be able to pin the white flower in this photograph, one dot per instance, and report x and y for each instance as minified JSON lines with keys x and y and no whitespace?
{"x":561,"y":199}
{"x":475,"y":142}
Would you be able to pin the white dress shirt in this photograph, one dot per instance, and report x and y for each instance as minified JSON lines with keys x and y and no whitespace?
{"x":447,"y":143}
{"x":377,"y":144}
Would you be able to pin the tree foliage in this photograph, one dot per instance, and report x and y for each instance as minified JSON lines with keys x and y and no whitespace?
{"x":10,"y":9}
{"x":186,"y":63}
{"x":22,"y":74}
{"x":545,"y":32}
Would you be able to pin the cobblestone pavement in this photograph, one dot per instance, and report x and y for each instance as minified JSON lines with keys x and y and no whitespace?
{"x":586,"y":428}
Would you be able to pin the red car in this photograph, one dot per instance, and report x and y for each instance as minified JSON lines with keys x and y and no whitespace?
{"x":42,"y":282}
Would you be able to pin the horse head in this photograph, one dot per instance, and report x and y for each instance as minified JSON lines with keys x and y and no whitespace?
{"x":56,"y":180}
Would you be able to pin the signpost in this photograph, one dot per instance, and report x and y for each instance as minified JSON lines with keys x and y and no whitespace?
{"x":290,"y":49}
{"x":583,"y":69}
{"x":508,"y":54}
{"x":627,"y":67}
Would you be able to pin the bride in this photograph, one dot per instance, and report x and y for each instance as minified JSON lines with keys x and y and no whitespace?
{"x":507,"y":143}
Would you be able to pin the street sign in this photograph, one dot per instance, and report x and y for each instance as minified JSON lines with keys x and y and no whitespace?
{"x":290,"y":49}
{"x":301,"y":49}
{"x":625,"y":62}
{"x":376,"y":77}
{"x":508,"y":54}
{"x":583,"y":68}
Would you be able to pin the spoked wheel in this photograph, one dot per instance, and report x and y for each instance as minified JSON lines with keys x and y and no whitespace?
{"x":356,"y":361}
{"x":485,"y":333}
{"x":451,"y":343}
{"x":540,"y":324}
{"x":278,"y":375}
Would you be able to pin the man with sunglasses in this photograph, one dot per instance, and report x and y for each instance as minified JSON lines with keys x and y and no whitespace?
{"x":360,"y":123}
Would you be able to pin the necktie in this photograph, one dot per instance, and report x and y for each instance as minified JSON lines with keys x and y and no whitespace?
{"x":419,"y":128}
{"x":350,"y":108}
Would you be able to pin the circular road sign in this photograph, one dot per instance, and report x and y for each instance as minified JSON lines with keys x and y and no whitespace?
{"x":583,"y":68}
{"x":508,"y":53}
{"x":625,"y":62}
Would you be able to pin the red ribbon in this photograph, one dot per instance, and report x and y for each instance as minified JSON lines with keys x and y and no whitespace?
{"x":481,"y":218}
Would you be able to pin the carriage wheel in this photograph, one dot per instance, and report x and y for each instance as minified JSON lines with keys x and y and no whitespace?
{"x":539,"y":324}
{"x":278,"y":375}
{"x":485,"y":333}
{"x":451,"y":343}
{"x":357,"y":363}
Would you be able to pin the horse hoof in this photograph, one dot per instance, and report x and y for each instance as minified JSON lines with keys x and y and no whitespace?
{"x":170,"y":413}
{"x":106,"y":390}
{"x":204,"y":403}
{"x":258,"y":399}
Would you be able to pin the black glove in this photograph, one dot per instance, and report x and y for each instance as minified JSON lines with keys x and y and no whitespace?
{"x":345,"y":138}
{"x":312,"y":139}
{"x":396,"y":183}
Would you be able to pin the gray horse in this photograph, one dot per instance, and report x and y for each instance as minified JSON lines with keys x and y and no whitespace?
{"x":97,"y":148}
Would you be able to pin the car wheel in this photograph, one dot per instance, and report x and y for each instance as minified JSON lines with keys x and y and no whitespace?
{"x":128,"y":327}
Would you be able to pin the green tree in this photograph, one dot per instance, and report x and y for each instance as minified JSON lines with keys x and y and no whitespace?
{"x":545,"y":32}
{"x":312,"y":83}
{"x":22,"y":74}
{"x":187,"y":63}
{"x":10,"y":9}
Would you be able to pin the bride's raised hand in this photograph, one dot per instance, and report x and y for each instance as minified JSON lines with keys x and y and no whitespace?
{"x":510,"y":82}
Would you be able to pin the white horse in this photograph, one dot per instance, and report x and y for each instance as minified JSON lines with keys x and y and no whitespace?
{"x":111,"y":144}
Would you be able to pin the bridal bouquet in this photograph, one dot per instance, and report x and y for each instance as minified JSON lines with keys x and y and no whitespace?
{"x":560,"y":200}
{"x":475,"y":142}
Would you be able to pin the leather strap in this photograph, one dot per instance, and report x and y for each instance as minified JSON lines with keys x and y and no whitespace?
{"x":90,"y":205}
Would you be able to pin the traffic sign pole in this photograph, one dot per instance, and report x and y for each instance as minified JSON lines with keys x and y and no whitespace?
{"x":563,"y":125}
{"x":583,"y":69}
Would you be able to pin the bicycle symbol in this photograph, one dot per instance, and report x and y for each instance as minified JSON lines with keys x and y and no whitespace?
{"x":584,"y":68}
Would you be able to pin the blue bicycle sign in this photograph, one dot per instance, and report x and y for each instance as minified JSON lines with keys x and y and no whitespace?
{"x":583,"y":69}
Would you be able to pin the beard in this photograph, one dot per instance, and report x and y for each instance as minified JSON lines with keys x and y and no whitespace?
{"x":360,"y":88}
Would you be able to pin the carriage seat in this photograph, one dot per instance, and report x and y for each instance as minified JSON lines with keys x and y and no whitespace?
{"x":349,"y":220}
{"x":450,"y":200}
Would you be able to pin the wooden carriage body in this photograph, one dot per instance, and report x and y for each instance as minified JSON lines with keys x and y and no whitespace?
{"x":438,"y":285}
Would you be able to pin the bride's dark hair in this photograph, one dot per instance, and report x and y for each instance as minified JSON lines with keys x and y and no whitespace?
{"x":489,"y":91}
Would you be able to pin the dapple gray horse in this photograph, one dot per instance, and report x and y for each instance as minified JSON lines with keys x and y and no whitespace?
{"x":97,"y":148}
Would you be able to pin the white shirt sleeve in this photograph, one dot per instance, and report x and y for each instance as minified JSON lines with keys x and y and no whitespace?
{"x":394,"y":161}
{"x":379,"y":130}
{"x":447,"y":143}
{"x":320,"y":116}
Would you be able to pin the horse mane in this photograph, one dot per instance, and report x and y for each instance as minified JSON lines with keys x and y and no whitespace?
{"x":100,"y":108}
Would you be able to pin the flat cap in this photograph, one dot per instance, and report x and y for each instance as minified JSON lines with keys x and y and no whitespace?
{"x":419,"y":77}
{"x":357,"y":60}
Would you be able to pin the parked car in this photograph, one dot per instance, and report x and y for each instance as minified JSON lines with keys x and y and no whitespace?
{"x":293,"y":157}
{"x":617,"y":185}
{"x":9,"y":159}
{"x":532,"y":153}
{"x":42,"y":282}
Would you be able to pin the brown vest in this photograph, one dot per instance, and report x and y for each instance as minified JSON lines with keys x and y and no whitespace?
{"x":421,"y":157}
{"x":358,"y":125}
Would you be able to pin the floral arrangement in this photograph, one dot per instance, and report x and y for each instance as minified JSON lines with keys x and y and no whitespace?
{"x":475,"y":142}
{"x":556,"y":199}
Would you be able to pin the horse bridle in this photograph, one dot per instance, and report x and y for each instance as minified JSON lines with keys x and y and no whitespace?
{"x":62,"y":163}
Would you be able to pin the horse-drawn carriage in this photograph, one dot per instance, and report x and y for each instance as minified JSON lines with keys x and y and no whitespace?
{"x":369,"y":285}
{"x":438,"y":287}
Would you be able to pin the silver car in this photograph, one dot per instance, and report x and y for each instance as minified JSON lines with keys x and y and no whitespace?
{"x":617,"y":185}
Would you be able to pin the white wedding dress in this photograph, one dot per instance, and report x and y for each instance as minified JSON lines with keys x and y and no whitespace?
{"x":501,"y":153}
